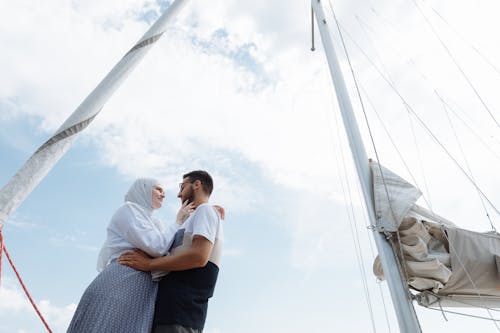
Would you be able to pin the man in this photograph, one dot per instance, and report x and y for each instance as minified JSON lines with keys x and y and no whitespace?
{"x":182,"y":300}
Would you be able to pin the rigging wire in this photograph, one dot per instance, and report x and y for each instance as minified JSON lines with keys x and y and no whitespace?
{"x":361,"y":103}
{"x":390,"y":26}
{"x":466,"y":271}
{"x":464,"y":314}
{"x":414,"y":134}
{"x":465,"y":158}
{"x":419,"y":158}
{"x":352,"y":222}
{"x":401,"y":157}
{"x":481,"y":140}
{"x":464,"y":122}
{"x":486,"y":59}
{"x":408,"y":107}
{"x":361,"y":24}
{"x":401,"y":267}
{"x":354,"y":230}
{"x":372,"y":251}
{"x":426,"y":197}
{"x":423,"y":124}
{"x":432,"y":135}
{"x":456,"y":63}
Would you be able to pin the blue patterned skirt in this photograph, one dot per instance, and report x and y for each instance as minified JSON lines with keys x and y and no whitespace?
{"x":120,"y":299}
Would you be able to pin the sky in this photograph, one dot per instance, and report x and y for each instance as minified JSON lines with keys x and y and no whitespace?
{"x":233,"y":88}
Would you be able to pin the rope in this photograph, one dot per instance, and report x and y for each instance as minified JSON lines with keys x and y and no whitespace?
{"x":1,"y":252}
{"x":464,"y":314}
{"x":3,"y":248}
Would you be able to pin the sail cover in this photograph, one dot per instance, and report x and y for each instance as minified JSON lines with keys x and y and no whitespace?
{"x":439,"y":257}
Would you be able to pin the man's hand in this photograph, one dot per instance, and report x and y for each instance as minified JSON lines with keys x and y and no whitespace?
{"x":137,"y":260}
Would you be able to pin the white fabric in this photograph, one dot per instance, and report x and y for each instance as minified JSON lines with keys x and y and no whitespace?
{"x":425,"y":284}
{"x":393,"y":197}
{"x":42,"y":161}
{"x":204,"y":221}
{"x":426,"y":258}
{"x":477,"y":252}
{"x":438,"y":255}
{"x":141,"y":193}
{"x":133,"y":226}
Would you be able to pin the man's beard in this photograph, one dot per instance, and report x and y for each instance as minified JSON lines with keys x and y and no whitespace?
{"x":190,"y":196}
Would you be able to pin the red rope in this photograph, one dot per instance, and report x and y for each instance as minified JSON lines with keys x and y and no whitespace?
{"x":1,"y":250}
{"x":2,"y":247}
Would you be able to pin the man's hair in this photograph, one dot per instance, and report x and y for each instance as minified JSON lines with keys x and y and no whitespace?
{"x":205,"y":179}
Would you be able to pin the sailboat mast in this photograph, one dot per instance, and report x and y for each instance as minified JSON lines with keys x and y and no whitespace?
{"x":407,"y":318}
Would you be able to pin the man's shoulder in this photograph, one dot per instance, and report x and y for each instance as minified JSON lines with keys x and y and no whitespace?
{"x":206,"y":211}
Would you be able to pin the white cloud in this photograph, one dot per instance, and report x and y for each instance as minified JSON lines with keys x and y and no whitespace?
{"x":193,"y":105}
{"x":15,"y":304}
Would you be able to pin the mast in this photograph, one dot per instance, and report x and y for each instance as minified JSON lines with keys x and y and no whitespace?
{"x":405,"y":312}
{"x":47,"y":155}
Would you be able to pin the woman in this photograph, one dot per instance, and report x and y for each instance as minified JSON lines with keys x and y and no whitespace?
{"x":121,"y":299}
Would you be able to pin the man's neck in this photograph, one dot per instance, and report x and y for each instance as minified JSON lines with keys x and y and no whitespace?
{"x":200,"y":201}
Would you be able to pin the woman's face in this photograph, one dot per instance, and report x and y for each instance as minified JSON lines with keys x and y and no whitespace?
{"x":158,"y":196}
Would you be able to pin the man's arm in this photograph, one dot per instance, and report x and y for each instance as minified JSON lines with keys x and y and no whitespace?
{"x":196,"y":256}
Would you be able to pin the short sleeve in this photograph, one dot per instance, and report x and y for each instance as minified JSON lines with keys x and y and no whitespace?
{"x":206,"y":222}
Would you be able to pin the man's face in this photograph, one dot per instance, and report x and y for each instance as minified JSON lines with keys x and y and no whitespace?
{"x":186,"y":190}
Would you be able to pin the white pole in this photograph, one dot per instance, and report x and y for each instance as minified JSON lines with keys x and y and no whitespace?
{"x":42,"y":161}
{"x":407,"y":318}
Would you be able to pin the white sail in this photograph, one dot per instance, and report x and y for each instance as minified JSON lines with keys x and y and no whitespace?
{"x":438,"y":257}
{"x":47,"y":155}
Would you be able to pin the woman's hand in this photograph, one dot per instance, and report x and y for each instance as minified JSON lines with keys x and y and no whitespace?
{"x":186,"y":209}
{"x":221,"y":211}
{"x":137,"y":259}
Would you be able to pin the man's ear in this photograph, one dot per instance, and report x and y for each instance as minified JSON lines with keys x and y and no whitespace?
{"x":197,"y":183}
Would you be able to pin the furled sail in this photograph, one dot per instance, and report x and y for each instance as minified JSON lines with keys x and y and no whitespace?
{"x":439,"y":259}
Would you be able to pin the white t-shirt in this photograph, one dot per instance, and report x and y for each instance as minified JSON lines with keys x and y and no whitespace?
{"x":204,"y":221}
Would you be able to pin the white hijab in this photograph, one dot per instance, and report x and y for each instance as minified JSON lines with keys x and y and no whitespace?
{"x":141,"y":194}
{"x":140,"y":199}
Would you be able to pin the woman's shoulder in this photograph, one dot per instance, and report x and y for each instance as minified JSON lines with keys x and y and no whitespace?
{"x":125,"y":211}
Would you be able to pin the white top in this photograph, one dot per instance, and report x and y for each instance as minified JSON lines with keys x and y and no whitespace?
{"x":130,"y":229}
{"x":204,"y":221}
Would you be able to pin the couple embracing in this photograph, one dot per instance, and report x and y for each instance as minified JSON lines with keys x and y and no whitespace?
{"x":154,"y":277}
